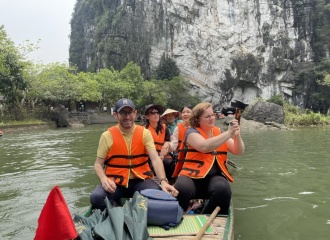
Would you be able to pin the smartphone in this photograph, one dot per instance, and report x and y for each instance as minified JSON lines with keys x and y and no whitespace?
{"x":238,"y":115}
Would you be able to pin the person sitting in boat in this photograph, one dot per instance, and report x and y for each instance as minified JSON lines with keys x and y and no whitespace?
{"x":170,"y":118}
{"x":203,"y":174}
{"x":180,"y":129}
{"x":122,"y":159}
{"x":161,"y":136}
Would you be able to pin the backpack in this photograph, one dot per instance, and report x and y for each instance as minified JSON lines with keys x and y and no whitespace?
{"x":163,"y":209}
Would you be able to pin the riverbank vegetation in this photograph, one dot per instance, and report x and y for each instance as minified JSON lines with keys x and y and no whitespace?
{"x":296,"y":116}
{"x":30,"y":91}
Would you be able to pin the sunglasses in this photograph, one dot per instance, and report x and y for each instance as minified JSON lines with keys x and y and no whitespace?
{"x":154,"y":112}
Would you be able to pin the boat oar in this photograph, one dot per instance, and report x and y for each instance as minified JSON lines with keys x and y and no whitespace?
{"x":231,"y":163}
{"x":207,"y":224}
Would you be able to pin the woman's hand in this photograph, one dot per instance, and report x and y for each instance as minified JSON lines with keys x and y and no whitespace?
{"x":164,"y":151}
{"x":234,"y":128}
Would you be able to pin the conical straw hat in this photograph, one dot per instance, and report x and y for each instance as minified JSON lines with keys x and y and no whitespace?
{"x":168,"y":111}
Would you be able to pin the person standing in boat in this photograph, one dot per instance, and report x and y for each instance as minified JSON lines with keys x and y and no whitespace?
{"x":122,"y":159}
{"x":170,"y":118}
{"x":204,"y":174}
{"x":160,"y":134}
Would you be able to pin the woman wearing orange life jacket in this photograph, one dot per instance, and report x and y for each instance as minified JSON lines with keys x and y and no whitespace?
{"x":204,"y":173}
{"x":176,"y":144}
{"x":160,"y":134}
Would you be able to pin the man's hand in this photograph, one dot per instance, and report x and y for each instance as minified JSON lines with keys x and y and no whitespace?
{"x":109,"y":185}
{"x":166,"y":187}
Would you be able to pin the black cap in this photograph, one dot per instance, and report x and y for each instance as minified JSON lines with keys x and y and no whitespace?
{"x":158,"y":107}
{"x":124,"y":102}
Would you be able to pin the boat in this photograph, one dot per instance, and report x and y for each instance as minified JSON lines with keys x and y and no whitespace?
{"x":1,"y":133}
{"x":222,"y":227}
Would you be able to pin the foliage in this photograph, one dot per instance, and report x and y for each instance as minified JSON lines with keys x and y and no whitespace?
{"x":167,"y":69}
{"x":321,"y":19}
{"x":30,"y":121}
{"x":12,"y":84}
{"x":118,"y":34}
{"x":153,"y":93}
{"x":178,"y":93}
{"x":87,"y":87}
{"x":311,"y":80}
{"x":306,"y":119}
{"x":295,"y":116}
{"x":57,"y":84}
{"x":277,"y":99}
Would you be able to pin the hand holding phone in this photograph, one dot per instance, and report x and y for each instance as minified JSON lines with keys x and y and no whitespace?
{"x":238,"y":115}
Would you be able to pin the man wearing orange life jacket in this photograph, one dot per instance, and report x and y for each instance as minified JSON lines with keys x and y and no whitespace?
{"x":203,"y":173}
{"x":122,"y":159}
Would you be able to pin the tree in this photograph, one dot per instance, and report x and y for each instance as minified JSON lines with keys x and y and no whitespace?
{"x":178,"y":93}
{"x":153,"y":92}
{"x":167,"y":69}
{"x":12,"y":82}
{"x":56,"y":83}
{"x":87,"y":87}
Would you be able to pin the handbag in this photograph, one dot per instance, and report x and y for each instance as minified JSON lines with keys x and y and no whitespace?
{"x":163,"y":209}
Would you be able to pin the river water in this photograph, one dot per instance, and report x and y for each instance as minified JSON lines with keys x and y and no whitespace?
{"x":281,"y":188}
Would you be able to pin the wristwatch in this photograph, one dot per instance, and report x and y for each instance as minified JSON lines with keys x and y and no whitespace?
{"x":163,"y":179}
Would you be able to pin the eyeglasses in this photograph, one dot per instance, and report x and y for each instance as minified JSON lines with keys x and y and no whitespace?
{"x":210,"y":116}
{"x":125,"y":114}
{"x":154,"y":112}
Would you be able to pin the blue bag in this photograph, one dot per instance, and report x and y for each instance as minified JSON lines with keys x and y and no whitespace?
{"x":163,"y":209}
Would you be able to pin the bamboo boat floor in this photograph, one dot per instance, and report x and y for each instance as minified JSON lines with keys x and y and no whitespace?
{"x":223,"y":228}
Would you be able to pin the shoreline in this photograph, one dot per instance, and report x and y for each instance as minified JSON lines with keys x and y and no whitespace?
{"x":19,"y":127}
{"x":247,"y":125}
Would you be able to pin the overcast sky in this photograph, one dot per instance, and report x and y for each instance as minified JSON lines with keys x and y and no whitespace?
{"x":47,"y":20}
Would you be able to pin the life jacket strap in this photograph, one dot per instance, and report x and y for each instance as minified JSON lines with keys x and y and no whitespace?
{"x":127,"y":166}
{"x":125,"y":156}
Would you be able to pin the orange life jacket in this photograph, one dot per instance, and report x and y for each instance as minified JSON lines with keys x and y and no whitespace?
{"x":181,"y":148}
{"x":197,"y":164}
{"x":159,"y":139}
{"x":181,"y":133}
{"x":119,"y":162}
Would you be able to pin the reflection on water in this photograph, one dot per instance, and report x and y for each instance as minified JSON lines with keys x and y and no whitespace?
{"x":281,"y":188}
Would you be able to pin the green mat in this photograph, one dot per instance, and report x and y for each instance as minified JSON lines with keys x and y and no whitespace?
{"x":190,"y":225}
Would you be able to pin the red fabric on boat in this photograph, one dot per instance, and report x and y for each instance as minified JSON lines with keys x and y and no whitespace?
{"x":55,"y":221}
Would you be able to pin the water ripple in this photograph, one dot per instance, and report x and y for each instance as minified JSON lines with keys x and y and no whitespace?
{"x":280,"y":198}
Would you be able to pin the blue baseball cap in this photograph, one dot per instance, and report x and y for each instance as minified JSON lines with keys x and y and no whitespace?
{"x":124,"y":102}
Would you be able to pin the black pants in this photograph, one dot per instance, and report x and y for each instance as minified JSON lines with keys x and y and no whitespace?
{"x":169,"y":166}
{"x":215,"y":188}
{"x":99,"y":194}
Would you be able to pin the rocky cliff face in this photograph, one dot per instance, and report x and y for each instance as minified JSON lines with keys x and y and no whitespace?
{"x":227,"y":49}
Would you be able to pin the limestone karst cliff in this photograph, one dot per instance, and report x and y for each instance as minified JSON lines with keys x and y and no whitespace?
{"x":227,"y":49}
